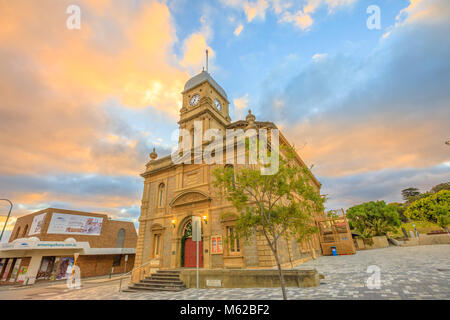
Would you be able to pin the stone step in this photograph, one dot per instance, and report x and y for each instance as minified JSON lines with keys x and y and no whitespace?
{"x":161,"y":281}
{"x":156,"y":277}
{"x":169,"y":271}
{"x":168,"y":284}
{"x":140,"y":286}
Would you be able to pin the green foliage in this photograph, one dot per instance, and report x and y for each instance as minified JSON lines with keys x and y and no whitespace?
{"x":423,"y":227}
{"x":372,"y":219}
{"x":277,"y":205}
{"x":401,"y":208}
{"x":441,"y":186}
{"x":409,"y":193}
{"x":435,"y":208}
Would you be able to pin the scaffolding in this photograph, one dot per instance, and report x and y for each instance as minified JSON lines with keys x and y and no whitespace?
{"x":335,"y":232}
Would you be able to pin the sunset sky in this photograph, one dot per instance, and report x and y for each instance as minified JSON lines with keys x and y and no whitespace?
{"x":82,"y":109}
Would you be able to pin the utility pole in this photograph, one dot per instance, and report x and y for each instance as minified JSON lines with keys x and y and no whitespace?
{"x":7,"y":218}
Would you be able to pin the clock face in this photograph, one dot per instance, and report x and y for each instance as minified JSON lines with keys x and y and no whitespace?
{"x":218,"y":105}
{"x":194,"y":100}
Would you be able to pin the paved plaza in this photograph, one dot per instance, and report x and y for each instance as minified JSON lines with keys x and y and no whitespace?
{"x":421,"y":272}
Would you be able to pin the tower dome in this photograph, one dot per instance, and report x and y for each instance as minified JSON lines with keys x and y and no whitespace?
{"x":201,"y":78}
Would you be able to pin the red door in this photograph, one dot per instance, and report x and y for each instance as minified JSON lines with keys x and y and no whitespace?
{"x":190,"y":251}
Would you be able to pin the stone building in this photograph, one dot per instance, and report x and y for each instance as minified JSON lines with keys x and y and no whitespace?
{"x":43,"y":246}
{"x":173,"y":193}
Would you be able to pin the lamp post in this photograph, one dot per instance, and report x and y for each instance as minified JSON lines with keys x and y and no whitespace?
{"x":6,"y":222}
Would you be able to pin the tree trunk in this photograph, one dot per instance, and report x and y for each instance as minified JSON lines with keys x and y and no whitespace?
{"x":280,"y":271}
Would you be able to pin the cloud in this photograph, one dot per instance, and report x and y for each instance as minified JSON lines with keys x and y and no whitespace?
{"x":118,"y":196}
{"x":240,"y":105}
{"x":255,"y":9}
{"x":299,"y":14}
{"x":194,"y":49}
{"x":69,"y":98}
{"x":299,"y":19}
{"x":347,"y":191}
{"x":238,"y":30}
{"x":359,"y":114}
{"x":319,"y":56}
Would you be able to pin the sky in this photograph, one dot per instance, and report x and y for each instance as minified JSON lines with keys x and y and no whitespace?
{"x":81,"y":109}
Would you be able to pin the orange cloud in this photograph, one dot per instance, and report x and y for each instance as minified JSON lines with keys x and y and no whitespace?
{"x":54,"y":81}
{"x":340,"y":150}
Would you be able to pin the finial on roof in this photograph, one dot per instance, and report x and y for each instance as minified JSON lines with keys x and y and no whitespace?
{"x":250,"y":119}
{"x":153,"y":155}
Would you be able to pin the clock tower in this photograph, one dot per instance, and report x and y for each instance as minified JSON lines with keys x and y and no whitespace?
{"x":204,"y":100}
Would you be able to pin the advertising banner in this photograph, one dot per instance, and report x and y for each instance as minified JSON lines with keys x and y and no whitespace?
{"x":65,"y":268}
{"x":38,"y":223}
{"x":7,"y":268}
{"x":22,"y":273}
{"x":62,"y":223}
{"x":15,"y":270}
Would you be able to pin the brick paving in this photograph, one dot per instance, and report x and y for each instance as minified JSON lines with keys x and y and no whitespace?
{"x":421,"y":272}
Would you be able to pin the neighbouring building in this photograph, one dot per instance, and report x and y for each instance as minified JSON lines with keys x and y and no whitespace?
{"x":174,"y":193}
{"x":43,"y":246}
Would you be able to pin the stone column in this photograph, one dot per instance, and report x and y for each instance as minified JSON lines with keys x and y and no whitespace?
{"x":33,"y":268}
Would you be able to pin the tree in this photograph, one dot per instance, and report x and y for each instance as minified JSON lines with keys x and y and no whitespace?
{"x":439,"y":187}
{"x":434,"y":208}
{"x":372,"y":219}
{"x":275,"y":206}
{"x":410,"y":193}
{"x":401,"y":208}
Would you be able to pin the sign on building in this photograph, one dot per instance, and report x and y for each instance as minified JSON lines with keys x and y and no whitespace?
{"x":37,"y":224}
{"x":62,"y":223}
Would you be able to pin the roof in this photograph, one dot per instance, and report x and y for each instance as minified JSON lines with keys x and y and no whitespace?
{"x":203,"y":77}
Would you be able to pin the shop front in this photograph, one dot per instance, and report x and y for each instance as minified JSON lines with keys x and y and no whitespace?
{"x":26,"y":261}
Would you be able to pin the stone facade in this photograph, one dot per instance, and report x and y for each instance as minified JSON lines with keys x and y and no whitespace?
{"x":174,"y":193}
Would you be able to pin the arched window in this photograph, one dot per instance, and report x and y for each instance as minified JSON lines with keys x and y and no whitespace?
{"x":17,"y":233}
{"x":25,"y":231}
{"x":231,"y":167}
{"x":192,"y":137}
{"x":120,"y":241}
{"x":161,"y":195}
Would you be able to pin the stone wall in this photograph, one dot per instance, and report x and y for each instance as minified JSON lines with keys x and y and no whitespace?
{"x":378,"y":242}
{"x":249,"y":278}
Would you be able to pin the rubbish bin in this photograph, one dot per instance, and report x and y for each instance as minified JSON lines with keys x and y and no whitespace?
{"x":333,"y":251}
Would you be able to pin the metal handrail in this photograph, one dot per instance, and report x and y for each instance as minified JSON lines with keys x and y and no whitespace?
{"x":134,"y":269}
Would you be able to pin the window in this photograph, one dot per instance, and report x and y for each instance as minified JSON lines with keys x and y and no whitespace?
{"x":161,"y":195}
{"x":216,"y":244}
{"x":231,"y":167}
{"x":192,"y":137}
{"x":17,"y":233}
{"x":116,"y":260}
{"x":156,"y":245}
{"x":25,"y":231}
{"x":234,"y":246}
{"x":120,"y":238}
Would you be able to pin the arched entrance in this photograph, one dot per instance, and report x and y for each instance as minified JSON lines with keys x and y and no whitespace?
{"x":189,"y":248}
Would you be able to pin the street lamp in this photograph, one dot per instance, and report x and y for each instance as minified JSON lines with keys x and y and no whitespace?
{"x":6,"y":222}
